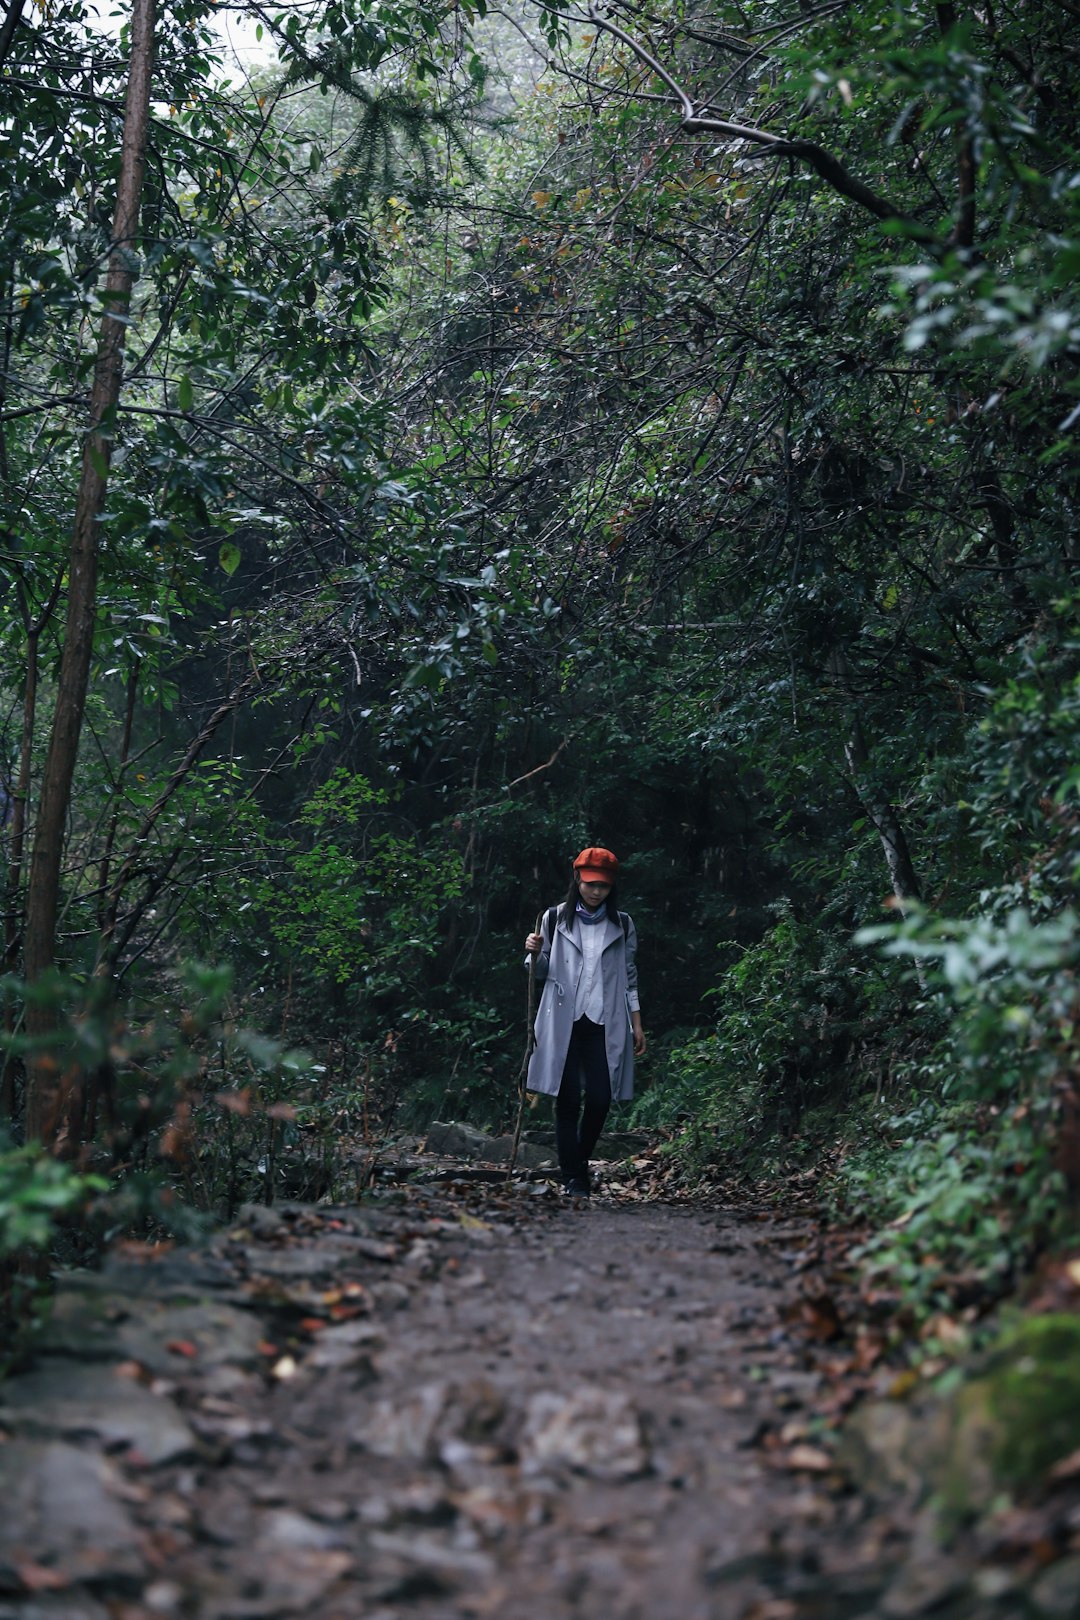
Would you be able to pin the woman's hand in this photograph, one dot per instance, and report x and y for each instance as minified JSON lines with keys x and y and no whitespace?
{"x":640,"y":1042}
{"x":534,"y":942}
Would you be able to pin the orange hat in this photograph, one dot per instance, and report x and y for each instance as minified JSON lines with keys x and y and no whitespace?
{"x":597,"y":866}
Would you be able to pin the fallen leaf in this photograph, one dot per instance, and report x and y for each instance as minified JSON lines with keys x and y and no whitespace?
{"x":869,"y":1349}
{"x":1067,"y":1468}
{"x":182,"y":1347}
{"x":138,"y":1249}
{"x":36,"y":1578}
{"x":733,"y":1400}
{"x":810,"y":1459}
{"x":818,"y":1317}
{"x":945,"y":1328}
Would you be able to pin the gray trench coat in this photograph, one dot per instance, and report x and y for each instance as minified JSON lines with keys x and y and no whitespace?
{"x":558,"y":967}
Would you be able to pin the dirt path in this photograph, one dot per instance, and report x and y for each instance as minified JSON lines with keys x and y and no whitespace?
{"x":451,"y":1404}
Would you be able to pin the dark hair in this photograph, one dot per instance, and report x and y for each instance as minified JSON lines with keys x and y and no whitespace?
{"x":569,"y":905}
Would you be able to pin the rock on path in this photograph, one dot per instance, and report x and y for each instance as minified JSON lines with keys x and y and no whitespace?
{"x":470,"y":1404}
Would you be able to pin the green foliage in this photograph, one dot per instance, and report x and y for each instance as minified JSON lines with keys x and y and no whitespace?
{"x":41,"y":1198}
{"x":363,"y":901}
{"x":973,"y":1190}
{"x":787,"y":1012}
{"x":1022,"y":799}
{"x":36,"y":1192}
{"x":156,"y":1088}
{"x":1015,"y":990}
{"x":974,"y":1179}
{"x":961,"y":1201}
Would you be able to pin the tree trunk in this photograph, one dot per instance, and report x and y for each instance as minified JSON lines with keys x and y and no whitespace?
{"x":878,"y":807}
{"x":114,"y":816}
{"x":43,"y":1100}
{"x":16,"y":842}
{"x":10,"y":27}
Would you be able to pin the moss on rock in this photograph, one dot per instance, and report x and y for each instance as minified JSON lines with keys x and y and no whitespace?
{"x":1019,"y":1417}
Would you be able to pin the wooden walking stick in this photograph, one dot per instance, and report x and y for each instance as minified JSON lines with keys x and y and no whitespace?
{"x":530,"y":1042}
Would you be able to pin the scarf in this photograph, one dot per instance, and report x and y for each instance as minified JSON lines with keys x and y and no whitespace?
{"x":587,"y":916}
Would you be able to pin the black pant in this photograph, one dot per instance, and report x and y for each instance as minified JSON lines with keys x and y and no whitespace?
{"x":586,"y":1060}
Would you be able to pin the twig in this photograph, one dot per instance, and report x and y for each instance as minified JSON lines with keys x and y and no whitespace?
{"x":546,"y":766}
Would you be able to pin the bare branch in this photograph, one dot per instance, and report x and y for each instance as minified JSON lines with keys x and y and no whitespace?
{"x":546,"y":766}
{"x":696,"y":118}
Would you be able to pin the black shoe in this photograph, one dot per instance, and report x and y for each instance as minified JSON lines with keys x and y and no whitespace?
{"x":576,"y":1187}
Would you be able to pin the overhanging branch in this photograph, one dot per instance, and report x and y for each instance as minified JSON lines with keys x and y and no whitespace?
{"x":696,"y":118}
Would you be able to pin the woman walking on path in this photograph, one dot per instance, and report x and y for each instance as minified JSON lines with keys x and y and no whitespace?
{"x":588,"y":1028}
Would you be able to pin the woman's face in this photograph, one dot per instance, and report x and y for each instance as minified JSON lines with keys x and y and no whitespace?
{"x":593,"y":894}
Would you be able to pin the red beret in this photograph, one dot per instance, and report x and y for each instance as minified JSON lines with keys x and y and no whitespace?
{"x":596,"y":866}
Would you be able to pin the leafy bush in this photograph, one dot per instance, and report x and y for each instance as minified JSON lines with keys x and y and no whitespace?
{"x":977,"y":1182}
{"x":960,"y":1204}
{"x":37,"y":1191}
{"x":190,"y":1110}
{"x":37,"y":1194}
{"x":788,"y":1010}
{"x":364,"y":898}
{"x":1014,"y":990}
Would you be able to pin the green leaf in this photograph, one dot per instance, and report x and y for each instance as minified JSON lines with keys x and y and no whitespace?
{"x":229,"y":557}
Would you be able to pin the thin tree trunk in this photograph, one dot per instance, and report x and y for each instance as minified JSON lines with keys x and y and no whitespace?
{"x":11,"y":23}
{"x":999,"y":509}
{"x":878,"y":807}
{"x":10,"y":1066}
{"x":43,"y":892}
{"x":963,"y":235}
{"x":114,"y":816}
{"x":16,"y":845}
{"x":20,"y":798}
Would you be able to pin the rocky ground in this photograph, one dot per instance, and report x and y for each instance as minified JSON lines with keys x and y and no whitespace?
{"x":465,"y":1401}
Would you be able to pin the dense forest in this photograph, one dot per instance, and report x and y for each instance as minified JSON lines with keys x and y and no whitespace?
{"x":444,"y":436}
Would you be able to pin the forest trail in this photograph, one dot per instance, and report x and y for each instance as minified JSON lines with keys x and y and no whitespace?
{"x":464,"y":1401}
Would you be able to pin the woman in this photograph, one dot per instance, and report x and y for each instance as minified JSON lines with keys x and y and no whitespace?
{"x":588,"y":1028}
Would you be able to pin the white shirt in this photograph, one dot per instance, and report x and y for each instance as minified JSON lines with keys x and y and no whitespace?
{"x":589,"y":1001}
